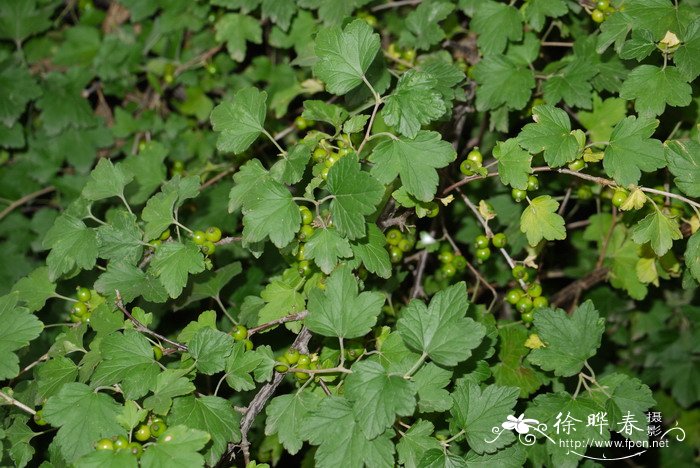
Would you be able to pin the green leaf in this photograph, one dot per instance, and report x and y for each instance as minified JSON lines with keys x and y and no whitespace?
{"x":239,"y":365}
{"x":19,"y":435}
{"x":236,"y":30}
{"x":541,"y":221}
{"x":536,"y":11}
{"x":326,"y":247}
{"x":378,"y":398}
{"x":62,"y":103}
{"x":106,"y":180}
{"x":511,"y":371}
{"x":477,"y":411}
{"x":68,"y":410}
{"x":414,"y":102}
{"x":108,"y":459}
{"x":20,"y":19}
{"x":631,"y":150}
{"x":170,"y":383}
{"x":340,"y":439}
{"x":19,"y":327}
{"x":120,"y":238}
{"x":653,"y":88}
{"x":158,"y":214}
{"x":35,"y":289}
{"x":210,"y":348}
{"x":572,"y":85}
{"x":496,"y":24}
{"x":54,"y":374}
{"x":415,"y":442}
{"x":356,"y":194}
{"x":627,"y":395}
{"x":211,"y":414}
{"x":657,"y":229}
{"x":510,"y":457}
{"x":178,"y":446}
{"x":282,"y":296}
{"x":605,"y":115}
{"x":414,"y":160}
{"x":372,"y":252}
{"x":339,"y":310}
{"x":552,"y":134}
{"x":683,"y":158}
{"x":640,"y":46}
{"x":569,"y":340}
{"x":131,"y":282}
{"x":440,"y":458}
{"x":687,"y":56}
{"x":431,"y":381}
{"x":285,"y":415}
{"x":131,"y":415}
{"x":148,"y":170}
{"x":209,"y":284}
{"x":514,"y":164}
{"x":17,"y":88}
{"x":127,"y":359}
{"x":240,"y":122}
{"x":421,"y":29}
{"x":324,"y":112}
{"x":441,"y":330}
{"x":345,"y":55}
{"x":502,"y":82}
{"x":172,"y":264}
{"x":72,"y":244}
{"x":205,"y":319}
{"x":692,"y":256}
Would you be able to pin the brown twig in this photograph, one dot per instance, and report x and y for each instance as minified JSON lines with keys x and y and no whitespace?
{"x":258,"y":403}
{"x":216,"y":178}
{"x":27,"y":198}
{"x":143,"y":328}
{"x":229,"y":240}
{"x":575,"y":289}
{"x":287,"y":318}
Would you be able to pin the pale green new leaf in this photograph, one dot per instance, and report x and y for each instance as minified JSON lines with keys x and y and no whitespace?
{"x":657,"y":229}
{"x":339,"y":310}
{"x":345,"y":55}
{"x":120,"y":238}
{"x":378,"y":398}
{"x":414,"y":160}
{"x":414,"y":102}
{"x":324,"y":112}
{"x":514,"y":164}
{"x":692,"y":256}
{"x":356,"y":194}
{"x":441,"y":330}
{"x":536,"y":11}
{"x":569,"y":339}
{"x":291,"y":166}
{"x":605,"y":115}
{"x":541,"y":221}
{"x":282,"y":296}
{"x":552,"y":134}
{"x":158,"y":214}
{"x":240,"y":121}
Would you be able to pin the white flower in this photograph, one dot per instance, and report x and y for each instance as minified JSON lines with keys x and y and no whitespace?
{"x":520,"y":424}
{"x":426,"y":238}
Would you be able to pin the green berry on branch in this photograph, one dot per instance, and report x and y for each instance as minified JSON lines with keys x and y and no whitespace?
{"x":240,"y":333}
{"x":597,"y":16}
{"x":483,"y":254}
{"x":157,"y":353}
{"x":305,"y":232}
{"x":306,"y":216}
{"x":292,"y":356}
{"x":213,"y":234}
{"x":576,"y":165}
{"x":514,"y":295}
{"x":248,"y":345}
{"x":432,"y":208}
{"x":393,"y":236}
{"x":459,"y":262}
{"x":499,"y":240}
{"x":199,"y":237}
{"x":143,"y":433}
{"x":39,"y":418}
{"x":282,"y":364}
{"x":104,"y":444}
{"x":136,"y":449}
{"x":518,"y":195}
{"x":83,"y":294}
{"x":395,"y":254}
{"x":158,"y":428}
{"x":475,"y":157}
{"x":466,"y":167}
{"x":120,"y":443}
{"x":320,"y":154}
{"x":79,"y":309}
{"x":584,"y":192}
{"x":304,"y":268}
{"x":208,"y":247}
{"x":302,"y":124}
{"x":520,"y":272}
{"x":165,"y":235}
{"x":533,"y":183}
{"x":619,"y":197}
{"x":448,"y":270}
{"x":524,"y":304}
{"x":446,"y":256}
{"x":534,"y":290}
{"x":481,"y":242}
{"x":528,"y":317}
{"x":303,"y":361}
{"x":539,"y":302}
{"x":406,"y":245}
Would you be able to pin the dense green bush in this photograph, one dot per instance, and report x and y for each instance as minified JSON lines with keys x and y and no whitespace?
{"x":349,"y":232}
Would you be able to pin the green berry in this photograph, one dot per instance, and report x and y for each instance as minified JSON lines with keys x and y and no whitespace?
{"x":303,"y":361}
{"x":157,"y":352}
{"x":83,"y":294}
{"x":320,"y":154}
{"x":619,"y":197}
{"x":301,"y":123}
{"x":136,"y":449}
{"x":39,"y":418}
{"x":433,"y":209}
{"x":292,"y":356}
{"x":156,"y":243}
{"x":143,"y":433}
{"x":302,"y":376}
{"x":524,"y":305}
{"x":576,"y":165}
{"x":540,"y":302}
{"x":324,"y":173}
{"x":466,"y":167}
{"x":208,"y":247}
{"x":514,"y":295}
{"x":393,"y":236}
{"x":306,"y":216}
{"x":248,"y":345}
{"x":104,"y":444}
{"x":199,"y":237}
{"x":120,"y":443}
{"x":499,"y":240}
{"x":331,"y":160}
{"x":158,"y":428}
{"x":518,"y":195}
{"x":306,"y":232}
{"x":475,"y":157}
{"x":584,"y":192}
{"x":79,"y":309}
{"x":304,"y":268}
{"x":449,"y":270}
{"x":602,"y":4}
{"x":446,"y":256}
{"x":520,"y":272}
{"x":283,"y":364}
{"x":300,"y":252}
{"x":405,"y":245}
{"x":528,"y":317}
{"x":483,"y":254}
{"x":534,"y":290}
{"x":395,"y":254}
{"x":598,"y":16}
{"x":240,"y":333}
{"x":459,"y":262}
{"x":481,"y":242}
{"x":213,"y":234}
{"x":165,"y":235}
{"x":533,"y":183}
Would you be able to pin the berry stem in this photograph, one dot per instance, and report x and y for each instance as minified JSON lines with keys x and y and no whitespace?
{"x":16,"y":403}
{"x":287,"y":318}
{"x":416,"y":366}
